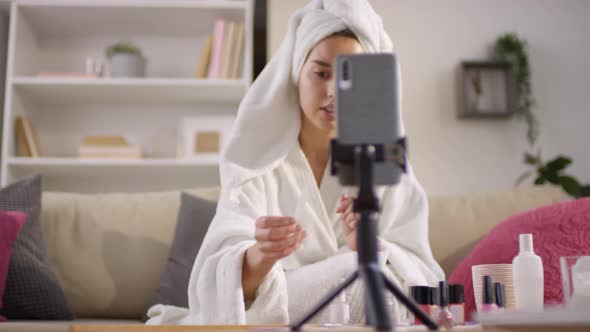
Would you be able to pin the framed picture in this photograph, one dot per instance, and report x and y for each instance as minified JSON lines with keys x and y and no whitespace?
{"x":203,"y":137}
{"x":489,"y":89}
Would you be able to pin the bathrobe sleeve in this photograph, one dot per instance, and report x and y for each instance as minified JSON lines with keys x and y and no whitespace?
{"x":215,"y":286}
{"x":403,"y":234}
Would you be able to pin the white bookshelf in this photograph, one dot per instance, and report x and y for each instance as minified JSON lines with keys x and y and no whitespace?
{"x":58,"y":35}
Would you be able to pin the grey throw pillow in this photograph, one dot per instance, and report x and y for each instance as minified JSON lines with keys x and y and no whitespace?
{"x":194,"y":216}
{"x":32,"y":288}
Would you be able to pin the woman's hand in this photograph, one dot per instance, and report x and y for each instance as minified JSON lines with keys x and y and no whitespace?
{"x":348,"y":219}
{"x":276,"y":237}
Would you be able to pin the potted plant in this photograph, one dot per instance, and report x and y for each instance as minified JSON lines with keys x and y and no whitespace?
{"x":510,"y":47}
{"x":125,"y":60}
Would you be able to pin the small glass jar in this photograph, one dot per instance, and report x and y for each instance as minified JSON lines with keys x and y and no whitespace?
{"x":457,"y":302}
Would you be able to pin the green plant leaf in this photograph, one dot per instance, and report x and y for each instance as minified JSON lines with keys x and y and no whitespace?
{"x":549,"y":175}
{"x":529,"y":159}
{"x":570,"y":185}
{"x":524,"y":176}
{"x":539,"y":180}
{"x":559,"y":163}
{"x":585,"y":191}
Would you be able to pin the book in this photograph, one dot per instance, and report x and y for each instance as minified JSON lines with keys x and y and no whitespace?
{"x":21,"y":138}
{"x":115,"y":147}
{"x":217,"y":49}
{"x":205,"y":59}
{"x":237,"y":51}
{"x":27,"y":137}
{"x":114,"y":152}
{"x":104,"y":141}
{"x":228,"y":39}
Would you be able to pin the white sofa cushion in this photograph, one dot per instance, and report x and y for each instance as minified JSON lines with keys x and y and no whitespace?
{"x":109,"y":250}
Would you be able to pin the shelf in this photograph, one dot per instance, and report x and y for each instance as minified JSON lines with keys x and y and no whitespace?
{"x":76,"y":19}
{"x":132,"y":90}
{"x":88,"y":167}
{"x":60,"y":36}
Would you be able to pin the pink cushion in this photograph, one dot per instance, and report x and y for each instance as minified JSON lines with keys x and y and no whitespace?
{"x":10,"y":224}
{"x":561,"y":229}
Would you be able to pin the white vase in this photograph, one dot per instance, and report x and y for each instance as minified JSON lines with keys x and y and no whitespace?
{"x":127,"y":65}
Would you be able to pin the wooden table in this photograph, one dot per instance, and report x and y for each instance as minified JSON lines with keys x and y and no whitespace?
{"x":312,"y":328}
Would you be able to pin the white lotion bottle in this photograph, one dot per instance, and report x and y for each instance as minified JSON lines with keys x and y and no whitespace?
{"x":339,"y":310}
{"x":527,"y":274}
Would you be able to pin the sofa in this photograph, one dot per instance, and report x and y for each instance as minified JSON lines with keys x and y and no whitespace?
{"x":109,"y":250}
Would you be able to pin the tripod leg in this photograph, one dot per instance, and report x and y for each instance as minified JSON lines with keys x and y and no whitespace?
{"x":375,"y":305}
{"x":325,"y":301}
{"x":410,"y":304}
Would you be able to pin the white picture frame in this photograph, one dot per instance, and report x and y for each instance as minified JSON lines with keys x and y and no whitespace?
{"x":203,"y":137}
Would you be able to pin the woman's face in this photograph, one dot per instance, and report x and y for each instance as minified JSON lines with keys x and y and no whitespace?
{"x":317,"y":81}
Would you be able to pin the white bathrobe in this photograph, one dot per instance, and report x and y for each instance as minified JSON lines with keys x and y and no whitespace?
{"x":265,"y":173}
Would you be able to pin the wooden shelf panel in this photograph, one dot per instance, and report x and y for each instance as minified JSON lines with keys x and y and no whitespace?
{"x":76,"y":19}
{"x":63,"y":166}
{"x":129,"y":91}
{"x":83,"y":162}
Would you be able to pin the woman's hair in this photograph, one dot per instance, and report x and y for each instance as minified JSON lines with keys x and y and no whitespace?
{"x":344,"y":33}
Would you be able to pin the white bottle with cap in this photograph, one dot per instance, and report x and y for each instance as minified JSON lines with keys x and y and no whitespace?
{"x":527,"y":273}
{"x":339,"y":311}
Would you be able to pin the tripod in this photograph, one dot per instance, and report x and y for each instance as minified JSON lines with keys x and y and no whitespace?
{"x":375,"y":281}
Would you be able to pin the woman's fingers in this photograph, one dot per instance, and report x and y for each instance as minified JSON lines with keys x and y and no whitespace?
{"x":269,"y":222}
{"x":348,"y":217}
{"x":286,"y":249}
{"x":300,"y":237}
{"x":278,"y":245}
{"x":350,"y":221}
{"x":275,"y":233}
{"x":352,"y":218}
{"x":345,"y":202}
{"x":340,"y":207}
{"x":348,"y":209}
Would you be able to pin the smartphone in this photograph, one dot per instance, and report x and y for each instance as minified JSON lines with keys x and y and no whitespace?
{"x":368,"y":109}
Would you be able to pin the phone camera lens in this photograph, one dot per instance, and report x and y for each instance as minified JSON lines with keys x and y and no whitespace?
{"x":345,"y":70}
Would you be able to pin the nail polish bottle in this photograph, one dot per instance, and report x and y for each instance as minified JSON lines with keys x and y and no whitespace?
{"x":423,"y":297}
{"x":500,"y":292}
{"x":488,"y":303}
{"x":444,"y":317}
{"x":457,"y":302}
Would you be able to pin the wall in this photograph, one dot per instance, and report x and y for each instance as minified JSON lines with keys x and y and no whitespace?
{"x":431,"y":38}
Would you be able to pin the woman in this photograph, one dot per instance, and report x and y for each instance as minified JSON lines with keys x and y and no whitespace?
{"x":284,"y":232}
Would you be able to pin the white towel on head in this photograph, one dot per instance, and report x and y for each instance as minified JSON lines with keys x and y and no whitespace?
{"x":264,"y":172}
{"x":273,"y":99}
